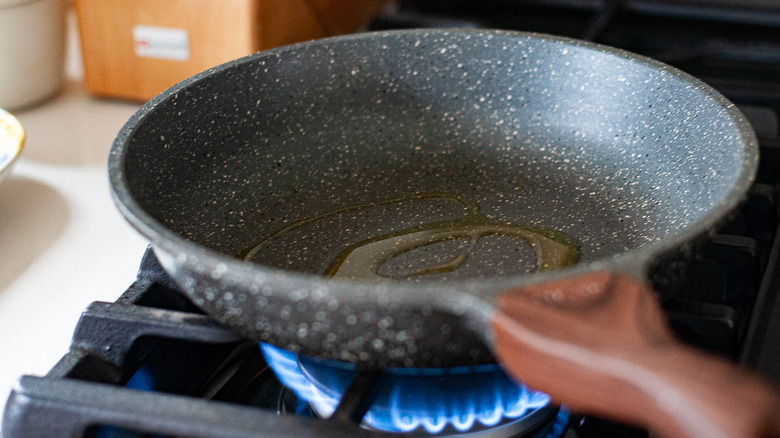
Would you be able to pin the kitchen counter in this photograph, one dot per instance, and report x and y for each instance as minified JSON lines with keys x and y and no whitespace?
{"x":63,"y":244}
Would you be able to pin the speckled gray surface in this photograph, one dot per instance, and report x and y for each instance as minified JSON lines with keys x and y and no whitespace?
{"x":627,"y":157}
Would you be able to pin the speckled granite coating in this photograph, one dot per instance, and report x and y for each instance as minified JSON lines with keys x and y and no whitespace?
{"x":628,"y":157}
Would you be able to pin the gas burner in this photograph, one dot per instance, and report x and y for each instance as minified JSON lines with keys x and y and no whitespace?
{"x":470,"y":401}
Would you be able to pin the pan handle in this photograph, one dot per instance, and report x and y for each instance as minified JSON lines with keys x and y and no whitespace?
{"x":600,"y":344}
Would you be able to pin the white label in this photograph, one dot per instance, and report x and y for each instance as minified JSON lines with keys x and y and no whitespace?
{"x":161,"y":42}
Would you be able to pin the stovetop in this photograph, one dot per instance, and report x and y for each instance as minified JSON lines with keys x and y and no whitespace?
{"x":151,"y":364}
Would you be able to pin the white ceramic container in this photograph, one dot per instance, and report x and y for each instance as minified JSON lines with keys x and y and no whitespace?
{"x":32,"y":51}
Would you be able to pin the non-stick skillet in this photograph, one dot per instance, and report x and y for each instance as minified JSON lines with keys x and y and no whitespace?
{"x":440,"y":198}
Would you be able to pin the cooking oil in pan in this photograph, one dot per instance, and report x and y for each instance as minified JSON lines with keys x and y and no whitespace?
{"x":364,"y":260}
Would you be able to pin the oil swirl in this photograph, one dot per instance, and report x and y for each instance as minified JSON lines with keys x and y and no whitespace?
{"x":363,"y":260}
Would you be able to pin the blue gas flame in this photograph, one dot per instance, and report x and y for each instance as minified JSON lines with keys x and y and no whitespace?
{"x":285,"y":366}
{"x":412,"y":398}
{"x":559,"y":425}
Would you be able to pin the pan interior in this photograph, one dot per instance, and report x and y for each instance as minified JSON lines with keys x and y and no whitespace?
{"x":509,"y":154}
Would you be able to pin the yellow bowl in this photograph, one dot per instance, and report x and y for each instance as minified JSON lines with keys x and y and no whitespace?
{"x":11,"y":142}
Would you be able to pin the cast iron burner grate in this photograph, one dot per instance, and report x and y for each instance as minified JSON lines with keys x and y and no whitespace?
{"x":151,"y":364}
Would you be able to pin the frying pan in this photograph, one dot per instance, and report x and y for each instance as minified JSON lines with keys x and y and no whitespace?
{"x":440,"y":198}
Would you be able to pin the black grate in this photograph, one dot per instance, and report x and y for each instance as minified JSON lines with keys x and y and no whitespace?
{"x":141,"y":370}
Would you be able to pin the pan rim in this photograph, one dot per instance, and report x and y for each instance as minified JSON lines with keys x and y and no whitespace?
{"x":635,"y":262}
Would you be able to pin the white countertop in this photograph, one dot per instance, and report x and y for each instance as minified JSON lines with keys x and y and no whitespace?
{"x":63,"y":244}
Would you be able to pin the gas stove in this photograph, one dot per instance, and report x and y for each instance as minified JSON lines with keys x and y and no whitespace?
{"x":152,"y":364}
